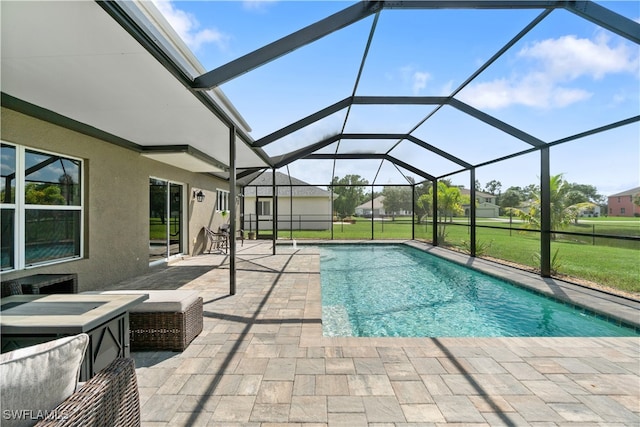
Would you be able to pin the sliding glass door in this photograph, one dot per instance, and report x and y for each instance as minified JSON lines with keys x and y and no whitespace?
{"x":165,"y":219}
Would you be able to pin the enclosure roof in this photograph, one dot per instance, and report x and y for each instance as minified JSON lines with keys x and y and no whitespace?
{"x":118,"y":71}
{"x":345,"y":113}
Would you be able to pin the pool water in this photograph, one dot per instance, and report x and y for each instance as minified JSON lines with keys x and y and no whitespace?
{"x":399,"y":291}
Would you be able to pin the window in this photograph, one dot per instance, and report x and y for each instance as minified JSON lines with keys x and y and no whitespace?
{"x":622,"y":211}
{"x":222,"y":201}
{"x":41,"y":207}
{"x":264,"y":207}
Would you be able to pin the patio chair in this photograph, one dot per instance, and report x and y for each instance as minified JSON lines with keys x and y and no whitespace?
{"x":39,"y":386}
{"x":224,"y":228}
{"x":110,"y":398}
{"x":218,"y":241}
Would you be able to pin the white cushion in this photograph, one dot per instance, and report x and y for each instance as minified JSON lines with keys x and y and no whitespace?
{"x":172,"y":301}
{"x":36,"y":379}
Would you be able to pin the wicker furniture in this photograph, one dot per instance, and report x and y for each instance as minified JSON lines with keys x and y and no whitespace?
{"x":167,"y":320}
{"x":159,"y":326}
{"x":45,"y":284}
{"x":11,"y":288}
{"x":108,"y":399}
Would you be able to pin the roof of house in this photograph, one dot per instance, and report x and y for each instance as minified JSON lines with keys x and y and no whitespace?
{"x":467,"y":192}
{"x":377,"y":203}
{"x":286,"y":186}
{"x":631,"y":192}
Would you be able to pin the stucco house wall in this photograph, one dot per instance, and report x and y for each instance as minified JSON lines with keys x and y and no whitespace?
{"x":300,"y":206}
{"x":309,"y":213}
{"x":116,"y":207}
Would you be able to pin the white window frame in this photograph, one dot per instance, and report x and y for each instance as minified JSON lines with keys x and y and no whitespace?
{"x":183,"y":220}
{"x":222,"y":200}
{"x":20,"y":207}
{"x":260,"y":207}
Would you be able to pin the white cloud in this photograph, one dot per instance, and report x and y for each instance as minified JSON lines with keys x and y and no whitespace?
{"x":569,"y":57}
{"x":535,"y":90}
{"x":417,"y":79}
{"x":420,"y":79}
{"x":552,"y":65}
{"x":188,"y":27}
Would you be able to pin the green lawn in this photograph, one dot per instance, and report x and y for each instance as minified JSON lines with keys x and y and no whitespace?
{"x":613,"y":263}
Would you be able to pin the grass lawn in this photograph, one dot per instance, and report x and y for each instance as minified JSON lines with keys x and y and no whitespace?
{"x":609,"y":262}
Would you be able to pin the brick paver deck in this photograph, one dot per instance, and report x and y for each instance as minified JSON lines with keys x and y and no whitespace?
{"x":261,"y":360}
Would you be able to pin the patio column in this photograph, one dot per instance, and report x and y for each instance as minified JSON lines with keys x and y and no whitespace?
{"x":413,"y":212}
{"x":372,"y":213}
{"x":435,"y":212}
{"x":331,"y":214}
{"x":275,"y":209}
{"x":472,"y":211}
{"x":232,"y":209}
{"x":545,"y":214}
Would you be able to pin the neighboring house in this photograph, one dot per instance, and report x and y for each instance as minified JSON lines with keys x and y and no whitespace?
{"x":486,"y":206}
{"x":377,"y":208}
{"x":108,"y":163}
{"x":621,"y":204}
{"x":301,"y":206}
{"x":593,"y":211}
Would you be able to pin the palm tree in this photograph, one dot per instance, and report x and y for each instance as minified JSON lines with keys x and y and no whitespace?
{"x":449,"y":204}
{"x":562,"y":212}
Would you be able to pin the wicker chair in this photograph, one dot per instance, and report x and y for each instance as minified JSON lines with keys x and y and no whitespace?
{"x":109,"y":399}
{"x":11,"y":288}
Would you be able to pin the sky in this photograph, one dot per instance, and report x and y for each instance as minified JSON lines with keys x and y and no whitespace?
{"x":566,"y":76}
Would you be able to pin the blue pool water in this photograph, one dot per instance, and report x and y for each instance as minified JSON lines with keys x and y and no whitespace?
{"x":399,"y":291}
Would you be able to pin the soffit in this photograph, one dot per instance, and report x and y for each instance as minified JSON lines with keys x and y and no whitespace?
{"x":74,"y":59}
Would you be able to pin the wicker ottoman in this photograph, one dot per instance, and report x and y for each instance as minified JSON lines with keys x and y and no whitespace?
{"x":168,"y":320}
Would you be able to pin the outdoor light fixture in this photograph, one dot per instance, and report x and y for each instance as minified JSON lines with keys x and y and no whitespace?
{"x":198,"y":195}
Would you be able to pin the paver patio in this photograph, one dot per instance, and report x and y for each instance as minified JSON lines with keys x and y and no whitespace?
{"x":261,"y":360}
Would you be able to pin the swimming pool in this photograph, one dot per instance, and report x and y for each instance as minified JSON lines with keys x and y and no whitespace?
{"x":399,"y":291}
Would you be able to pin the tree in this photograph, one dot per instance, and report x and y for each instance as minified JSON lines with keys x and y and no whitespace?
{"x":511,"y":198}
{"x":563,"y":211}
{"x":350,"y":193}
{"x":396,"y":199}
{"x":493,"y":187}
{"x":589,"y":191}
{"x":423,"y":204}
{"x":449,"y":204}
{"x":43,"y":194}
{"x":574,"y":197}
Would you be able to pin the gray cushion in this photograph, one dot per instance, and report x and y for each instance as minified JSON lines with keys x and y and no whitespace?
{"x":171,"y":301}
{"x":36,"y":379}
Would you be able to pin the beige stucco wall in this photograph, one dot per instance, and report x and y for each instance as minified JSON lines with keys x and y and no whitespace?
{"x":310,"y":213}
{"x":116,"y":188}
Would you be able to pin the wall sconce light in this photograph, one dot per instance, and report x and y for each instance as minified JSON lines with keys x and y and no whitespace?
{"x":198,"y":195}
